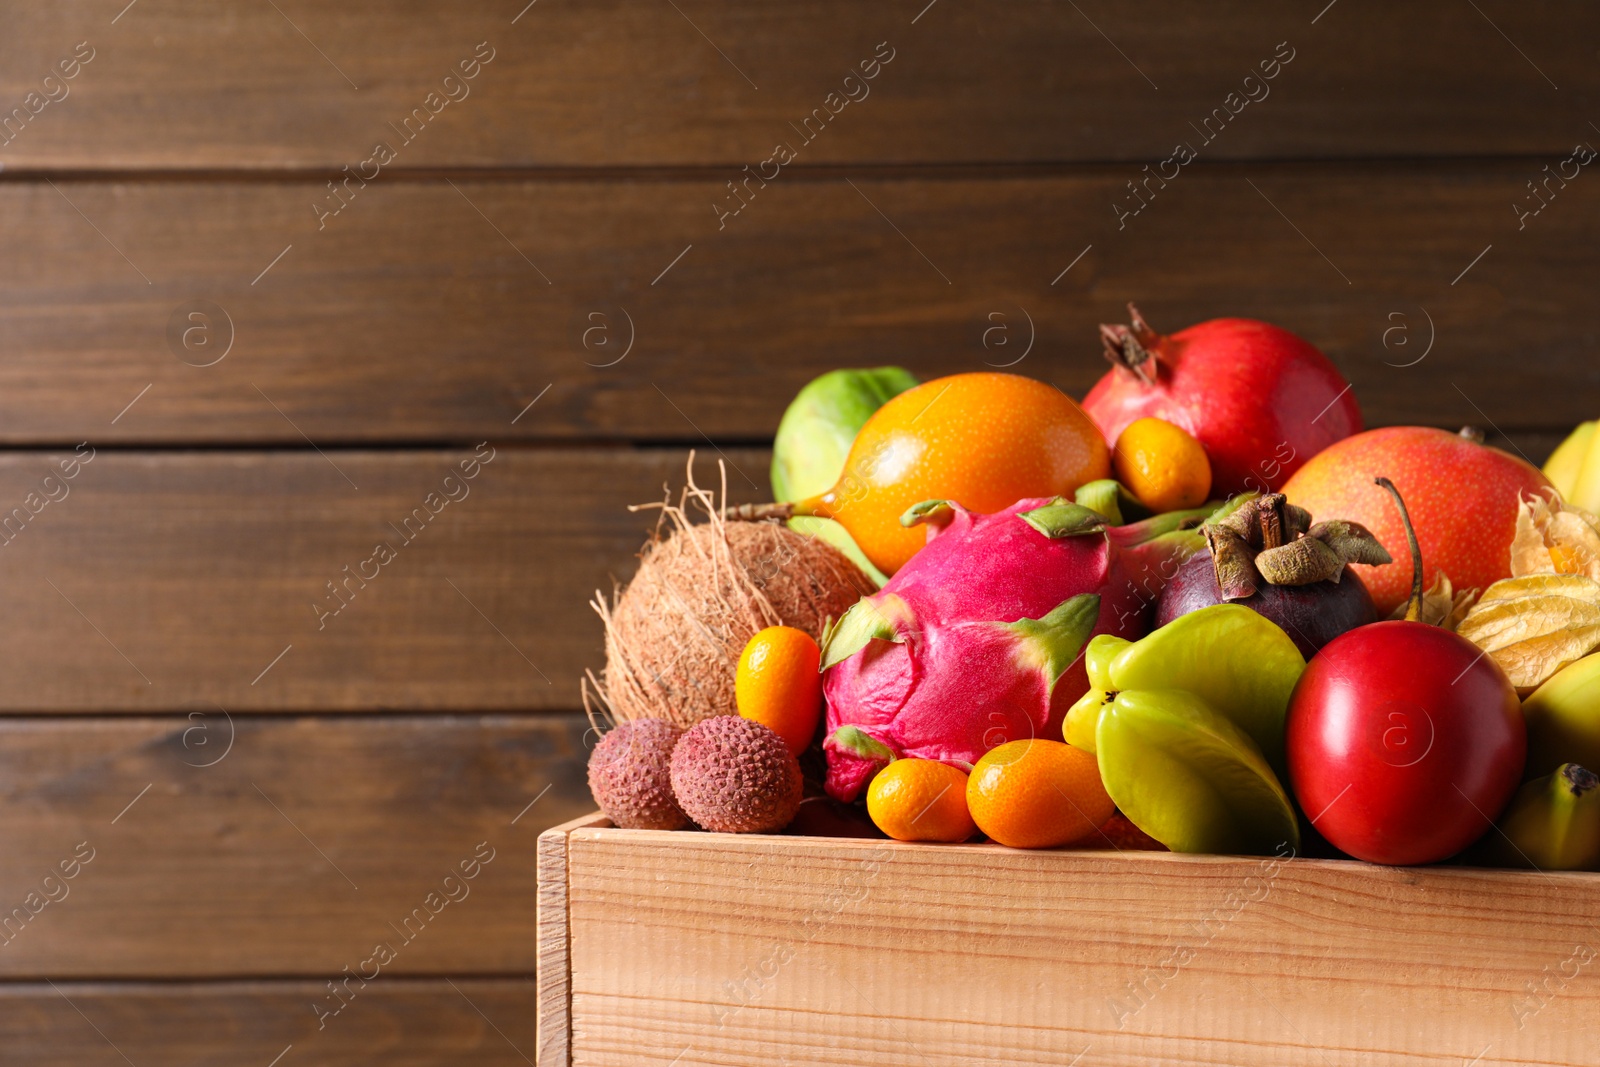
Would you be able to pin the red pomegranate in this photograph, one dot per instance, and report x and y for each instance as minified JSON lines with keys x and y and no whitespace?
{"x":1261,"y":400}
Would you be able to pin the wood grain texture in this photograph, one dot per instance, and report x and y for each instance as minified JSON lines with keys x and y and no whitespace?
{"x":295,"y":854}
{"x":631,"y":82}
{"x":555,"y":950}
{"x":164,"y":581}
{"x":804,"y":950}
{"x":399,"y":1022}
{"x":410,"y":318}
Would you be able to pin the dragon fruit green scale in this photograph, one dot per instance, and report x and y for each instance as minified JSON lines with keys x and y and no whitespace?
{"x":978,"y":639}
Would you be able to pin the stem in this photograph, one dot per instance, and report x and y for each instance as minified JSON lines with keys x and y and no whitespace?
{"x":1141,"y":329}
{"x":758,"y":512}
{"x":1473,"y":433}
{"x":819,"y":506}
{"x":1132,"y":347}
{"x":1414,"y":605}
{"x":1270,"y":514}
{"x":1579,"y":780}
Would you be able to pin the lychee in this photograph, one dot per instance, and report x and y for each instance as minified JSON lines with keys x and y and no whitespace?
{"x":631,"y":779}
{"x":736,"y":776}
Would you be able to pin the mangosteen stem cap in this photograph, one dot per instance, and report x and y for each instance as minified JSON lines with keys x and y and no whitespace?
{"x":1267,"y":539}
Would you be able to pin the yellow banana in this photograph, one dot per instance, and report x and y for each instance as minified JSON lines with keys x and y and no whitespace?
{"x":1567,"y":460}
{"x":1563,"y":717}
{"x":1553,"y":824}
{"x":1586,"y":482}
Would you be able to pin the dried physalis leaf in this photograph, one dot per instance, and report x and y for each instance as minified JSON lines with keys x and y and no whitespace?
{"x":1574,"y":543}
{"x":1441,"y":605}
{"x":1553,"y":538}
{"x":1529,"y":553}
{"x":1537,"y":624}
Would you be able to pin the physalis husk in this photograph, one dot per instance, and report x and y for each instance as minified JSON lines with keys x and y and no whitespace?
{"x":1548,"y":613}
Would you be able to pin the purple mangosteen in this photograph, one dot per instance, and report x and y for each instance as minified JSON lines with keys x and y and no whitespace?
{"x":1268,"y":556}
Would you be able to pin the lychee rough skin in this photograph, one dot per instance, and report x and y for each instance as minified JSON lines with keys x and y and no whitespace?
{"x":736,"y":776}
{"x":631,"y":779}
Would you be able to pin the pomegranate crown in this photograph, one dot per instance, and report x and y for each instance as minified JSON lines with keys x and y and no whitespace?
{"x":1132,"y":347}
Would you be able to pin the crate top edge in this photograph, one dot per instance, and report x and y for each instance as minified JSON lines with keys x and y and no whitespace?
{"x":597,"y":830}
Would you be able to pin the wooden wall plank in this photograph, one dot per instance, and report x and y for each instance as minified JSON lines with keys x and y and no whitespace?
{"x":630,"y":82}
{"x":396,"y":1021}
{"x":410,"y":318}
{"x":160,"y":581}
{"x":172,"y":581}
{"x":298,"y":852}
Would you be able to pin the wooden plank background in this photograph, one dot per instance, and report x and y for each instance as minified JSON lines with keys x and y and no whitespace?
{"x":298,"y":849}
{"x":164,"y":580}
{"x":405,"y":1022}
{"x":628,"y":84}
{"x":411,"y":318}
{"x":550,"y":264}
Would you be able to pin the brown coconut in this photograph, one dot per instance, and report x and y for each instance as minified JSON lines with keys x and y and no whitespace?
{"x":704,"y":587}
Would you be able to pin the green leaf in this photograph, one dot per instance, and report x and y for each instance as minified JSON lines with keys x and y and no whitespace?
{"x":869,"y":619}
{"x":937,"y":512}
{"x":1064,"y":519}
{"x":1111,"y":498}
{"x":855,"y":740}
{"x":1101,"y":496}
{"x":1053,"y":642}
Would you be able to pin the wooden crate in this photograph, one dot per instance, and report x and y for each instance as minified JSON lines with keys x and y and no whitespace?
{"x":686,"y":948}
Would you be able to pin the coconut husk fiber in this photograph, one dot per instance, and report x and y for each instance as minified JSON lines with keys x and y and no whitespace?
{"x":704,"y":587}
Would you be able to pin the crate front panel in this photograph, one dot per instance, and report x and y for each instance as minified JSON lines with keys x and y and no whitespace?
{"x":696,"y":949}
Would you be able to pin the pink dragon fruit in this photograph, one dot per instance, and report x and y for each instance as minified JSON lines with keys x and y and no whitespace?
{"x":978,"y":640}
